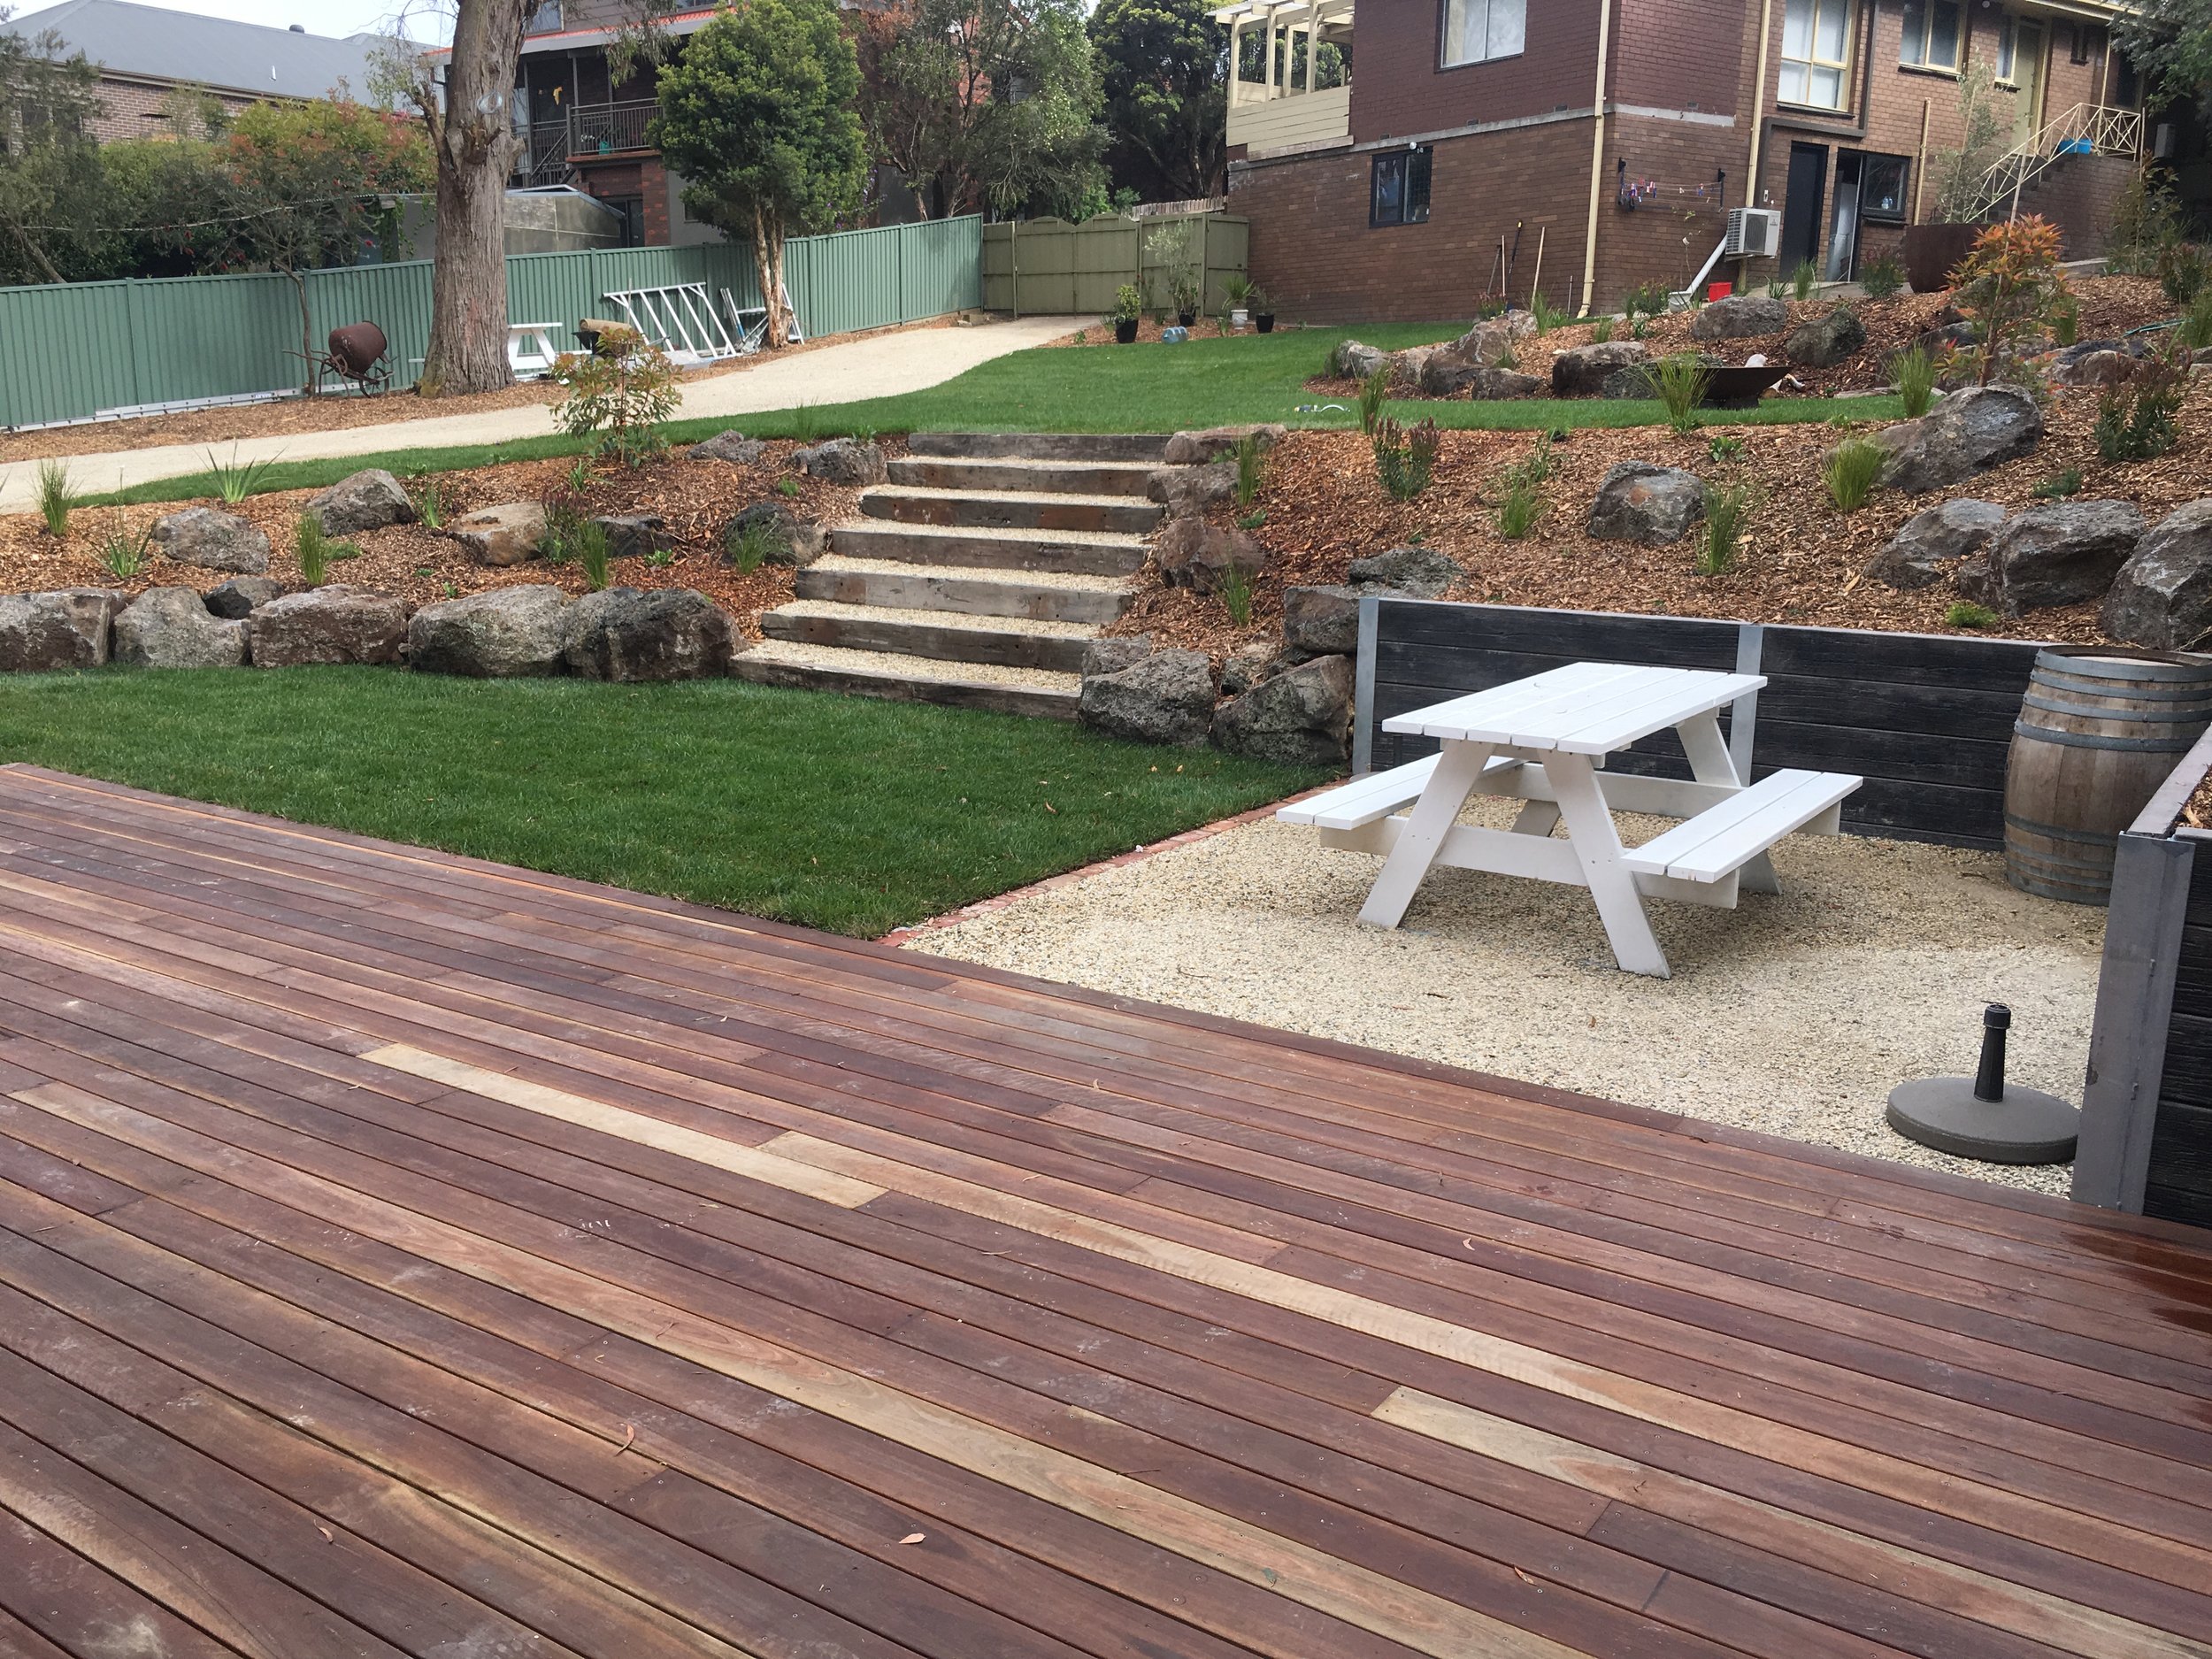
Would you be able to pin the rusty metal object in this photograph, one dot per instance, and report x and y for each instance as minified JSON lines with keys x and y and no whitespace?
{"x":358,"y":353}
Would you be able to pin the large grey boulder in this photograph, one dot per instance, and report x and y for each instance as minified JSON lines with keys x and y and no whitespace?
{"x":790,"y":539}
{"x":1302,"y":716}
{"x":1183,"y":489}
{"x":1448,"y":375}
{"x":1928,"y":543}
{"x":1583,"y":370}
{"x":1321,"y":621}
{"x":1111,"y":655}
{"x":504,"y":633}
{"x":1640,"y":501}
{"x":1418,"y":572}
{"x":1969,"y":432}
{"x":1193,"y":554}
{"x":366,"y":500}
{"x":1249,"y":664}
{"x":631,"y":634}
{"x":1740,"y":317}
{"x":1167,"y":697}
{"x":2062,"y":553}
{"x":1357,"y":361}
{"x":634,"y":534}
{"x":67,"y":627}
{"x":172,"y":627}
{"x":238,"y":597}
{"x":2093,"y":363}
{"x":1821,"y":342}
{"x":1215,"y":443}
{"x":212,"y":539}
{"x":503,"y":535}
{"x":733,"y":447}
{"x":842,"y":461}
{"x":1406,"y":365}
{"x":326,"y":628}
{"x":2163,"y":595}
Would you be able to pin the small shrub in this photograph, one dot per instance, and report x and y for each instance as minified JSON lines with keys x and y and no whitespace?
{"x":451,"y":590}
{"x":1251,"y":465}
{"x":660,"y":557}
{"x":1236,"y":594}
{"x":1252,"y":520}
{"x":1967,"y":614}
{"x":2061,"y":484}
{"x":618,"y":394}
{"x":1915,"y":373}
{"x":2136,"y":421}
{"x":2011,"y":287}
{"x":1405,"y":459}
{"x":748,"y":546}
{"x":565,"y":518}
{"x":806,"y":423}
{"x":591,"y":549}
{"x":1883,"y":277}
{"x":1638,"y":325}
{"x":1801,"y":280}
{"x":580,"y":477}
{"x":1850,"y":470}
{"x":2182,"y":270}
{"x":1646,"y":299}
{"x":2146,"y":221}
{"x":54,"y":497}
{"x":1546,"y":320}
{"x":2195,"y":332}
{"x":122,"y":555}
{"x":1374,"y":393}
{"x":1519,"y":507}
{"x":341,"y":551}
{"x":1727,"y":517}
{"x":1492,"y":305}
{"x":430,"y":507}
{"x":1681,"y":382}
{"x":1601,"y":332}
{"x":2065,"y":320}
{"x":1082,"y":336}
{"x":233,"y":482}
{"x":1776,"y":288}
{"x":789,"y":488}
{"x":311,"y":547}
{"x":1724,"y":446}
{"x":1128,"y":303}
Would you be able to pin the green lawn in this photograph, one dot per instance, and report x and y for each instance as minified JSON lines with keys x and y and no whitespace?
{"x":844,"y":813}
{"x":1149,"y":387}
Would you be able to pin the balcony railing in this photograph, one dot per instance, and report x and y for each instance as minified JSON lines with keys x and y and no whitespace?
{"x":2087,"y":129}
{"x":551,"y":149}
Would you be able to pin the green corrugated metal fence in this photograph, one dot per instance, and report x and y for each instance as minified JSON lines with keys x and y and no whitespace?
{"x":67,"y":351}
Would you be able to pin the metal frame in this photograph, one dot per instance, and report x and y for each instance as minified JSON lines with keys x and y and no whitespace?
{"x":750,"y":322}
{"x":680,"y":320}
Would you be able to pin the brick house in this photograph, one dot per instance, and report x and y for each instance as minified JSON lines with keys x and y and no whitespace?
{"x":1610,"y":137}
{"x":144,"y":53}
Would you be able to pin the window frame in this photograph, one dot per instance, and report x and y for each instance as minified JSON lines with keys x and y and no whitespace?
{"x":1929,"y":12}
{"x":1412,"y":165}
{"x":1444,"y":60}
{"x":1809,"y":65}
{"x":1884,"y":160}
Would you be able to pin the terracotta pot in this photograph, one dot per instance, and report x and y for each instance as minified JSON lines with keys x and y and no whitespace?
{"x":1933,"y":251}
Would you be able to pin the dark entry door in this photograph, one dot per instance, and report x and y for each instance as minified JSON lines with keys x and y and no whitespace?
{"x":1801,"y":208}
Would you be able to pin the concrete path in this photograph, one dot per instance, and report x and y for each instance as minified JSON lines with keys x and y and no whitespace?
{"x":882,"y":365}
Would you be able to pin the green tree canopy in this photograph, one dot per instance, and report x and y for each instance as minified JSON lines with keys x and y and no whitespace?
{"x":1166,"y":68}
{"x":49,"y":169}
{"x":988,"y":103}
{"x":2170,"y":42}
{"x":760,"y":115}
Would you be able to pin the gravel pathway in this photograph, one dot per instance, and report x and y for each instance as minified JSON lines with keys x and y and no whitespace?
{"x":1793,"y":1015}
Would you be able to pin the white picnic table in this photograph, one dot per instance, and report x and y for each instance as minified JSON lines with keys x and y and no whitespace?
{"x":530,"y":348}
{"x":1545,"y":740}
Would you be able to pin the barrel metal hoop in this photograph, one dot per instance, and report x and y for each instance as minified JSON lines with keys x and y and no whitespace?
{"x":2133,"y":717}
{"x":2117,"y":745}
{"x":2197,"y":691}
{"x":2122,"y":663}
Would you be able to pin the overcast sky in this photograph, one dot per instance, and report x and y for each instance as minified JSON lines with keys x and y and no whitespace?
{"x":429,"y":20}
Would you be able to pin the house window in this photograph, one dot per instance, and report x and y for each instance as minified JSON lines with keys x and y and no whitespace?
{"x":2082,"y":41}
{"x":1931,"y":34}
{"x":1815,"y":52}
{"x":2127,"y":85}
{"x":2019,"y":52}
{"x":545,"y":21}
{"x":1882,"y":189}
{"x":1476,"y":30}
{"x":1398,"y":191}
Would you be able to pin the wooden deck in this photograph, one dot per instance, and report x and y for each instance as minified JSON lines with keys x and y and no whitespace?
{"x":405,"y":1255}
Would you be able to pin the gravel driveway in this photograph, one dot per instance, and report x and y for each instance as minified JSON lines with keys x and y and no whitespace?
{"x":1793,"y":1015}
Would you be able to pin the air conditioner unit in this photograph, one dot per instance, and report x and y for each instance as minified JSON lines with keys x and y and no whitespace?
{"x":1753,"y":233}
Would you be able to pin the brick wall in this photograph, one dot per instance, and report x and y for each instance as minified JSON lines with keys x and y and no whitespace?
{"x":1398,"y":89}
{"x":132,"y":108}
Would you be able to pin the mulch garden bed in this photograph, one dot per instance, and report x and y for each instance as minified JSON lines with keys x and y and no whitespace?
{"x":1800,"y":562}
{"x":421,"y":565}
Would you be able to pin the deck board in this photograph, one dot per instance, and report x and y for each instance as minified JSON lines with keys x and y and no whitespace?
{"x":399,"y":1251}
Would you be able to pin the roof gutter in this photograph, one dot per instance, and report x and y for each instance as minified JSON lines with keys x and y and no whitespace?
{"x":1597,"y":157}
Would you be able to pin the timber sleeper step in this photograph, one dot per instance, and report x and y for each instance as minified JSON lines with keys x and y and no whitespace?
{"x":1034,"y":692}
{"x":966,"y":590}
{"x":1009,"y":510}
{"x":1070,"y":552}
{"x":1000,"y":641}
{"x":1150,"y":447}
{"x":1034,"y":477}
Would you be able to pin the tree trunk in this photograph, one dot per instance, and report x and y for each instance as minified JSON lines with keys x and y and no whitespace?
{"x":473,"y":140}
{"x":768,"y":266}
{"x":307,"y":331}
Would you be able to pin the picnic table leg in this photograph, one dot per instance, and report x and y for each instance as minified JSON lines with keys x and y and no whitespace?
{"x":1711,"y":763}
{"x":1536,"y":817}
{"x":1597,"y":845}
{"x":1430,"y":821}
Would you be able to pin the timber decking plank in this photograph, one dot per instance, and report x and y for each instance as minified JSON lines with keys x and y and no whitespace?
{"x":54,"y":1600}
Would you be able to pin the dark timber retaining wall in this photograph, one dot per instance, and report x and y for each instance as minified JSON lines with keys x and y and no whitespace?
{"x":2147,"y":1120}
{"x":1926,"y":719}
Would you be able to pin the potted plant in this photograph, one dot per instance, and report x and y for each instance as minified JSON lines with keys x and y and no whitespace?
{"x":1263,"y":309}
{"x":1187,"y":299}
{"x":1128,"y":307}
{"x":1238,"y":288}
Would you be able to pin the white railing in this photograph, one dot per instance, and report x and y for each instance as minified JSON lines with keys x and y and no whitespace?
{"x":2087,"y":129}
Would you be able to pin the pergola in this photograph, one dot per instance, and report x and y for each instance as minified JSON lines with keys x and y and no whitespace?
{"x":1318,"y":20}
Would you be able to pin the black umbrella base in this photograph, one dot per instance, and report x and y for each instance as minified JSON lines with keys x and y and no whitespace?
{"x":2027,"y":1127}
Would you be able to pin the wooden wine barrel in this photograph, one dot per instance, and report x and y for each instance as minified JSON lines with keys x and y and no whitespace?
{"x":2099,"y":728}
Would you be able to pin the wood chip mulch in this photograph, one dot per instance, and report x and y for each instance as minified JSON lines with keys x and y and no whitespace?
{"x":422,"y":567}
{"x":1800,"y":562}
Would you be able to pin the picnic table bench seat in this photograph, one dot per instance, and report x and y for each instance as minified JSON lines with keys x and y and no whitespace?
{"x":1380,"y":793}
{"x":1723,"y":839}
